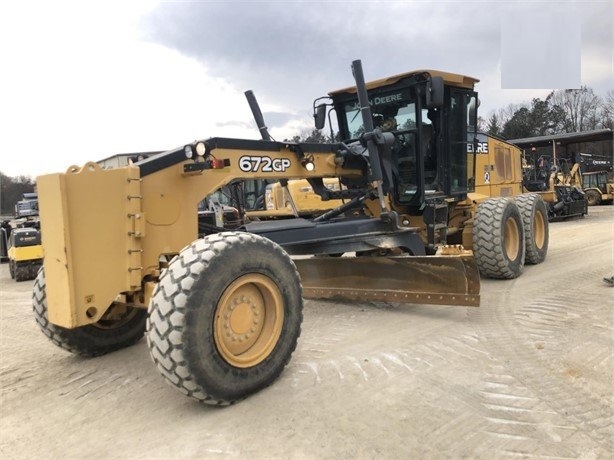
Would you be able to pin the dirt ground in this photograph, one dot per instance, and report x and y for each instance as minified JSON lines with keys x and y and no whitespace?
{"x":528,"y":374}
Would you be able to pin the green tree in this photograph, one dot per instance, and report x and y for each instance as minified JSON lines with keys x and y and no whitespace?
{"x":540,"y":119}
{"x":519,"y":125}
{"x":493,"y":126}
{"x":545,"y":117}
{"x":315,"y":135}
{"x":11,"y":191}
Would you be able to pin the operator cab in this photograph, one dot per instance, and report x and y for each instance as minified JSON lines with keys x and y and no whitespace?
{"x":433,"y":117}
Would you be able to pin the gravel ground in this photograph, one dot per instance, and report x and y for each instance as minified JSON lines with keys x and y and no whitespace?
{"x":528,"y":374}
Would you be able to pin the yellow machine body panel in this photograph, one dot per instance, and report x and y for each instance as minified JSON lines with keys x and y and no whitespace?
{"x":91,"y":250}
{"x":104,"y":231}
{"x":498,"y":168}
{"x":171,"y":197}
{"x":24,"y":253}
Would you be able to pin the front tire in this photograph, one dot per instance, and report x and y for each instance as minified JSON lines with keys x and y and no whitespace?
{"x":120,"y":327}
{"x":498,"y":239}
{"x":535,"y":223}
{"x":225,"y":317}
{"x":593,"y":197}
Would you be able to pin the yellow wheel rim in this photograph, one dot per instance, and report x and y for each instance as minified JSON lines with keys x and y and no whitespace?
{"x":248,"y":320}
{"x":512,"y":238}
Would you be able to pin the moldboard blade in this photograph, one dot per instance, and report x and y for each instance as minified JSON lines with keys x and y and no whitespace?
{"x":439,"y":280}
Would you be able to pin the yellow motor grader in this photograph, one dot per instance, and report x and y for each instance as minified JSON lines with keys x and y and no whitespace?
{"x":222,"y":314}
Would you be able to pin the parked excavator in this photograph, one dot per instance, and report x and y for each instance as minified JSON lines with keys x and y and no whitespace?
{"x":222,"y":314}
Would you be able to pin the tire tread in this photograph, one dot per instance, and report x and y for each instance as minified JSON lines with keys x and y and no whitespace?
{"x":166,"y":322}
{"x":488,"y":244}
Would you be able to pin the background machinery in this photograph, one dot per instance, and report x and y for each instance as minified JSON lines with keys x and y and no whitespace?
{"x":20,"y":239}
{"x":27,"y":206}
{"x":5,"y":232}
{"x":222,"y":313}
{"x":598,"y":187}
{"x":559,"y":184}
{"x":25,"y":253}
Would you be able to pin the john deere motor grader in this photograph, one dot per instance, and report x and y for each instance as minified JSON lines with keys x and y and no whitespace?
{"x":222,"y":314}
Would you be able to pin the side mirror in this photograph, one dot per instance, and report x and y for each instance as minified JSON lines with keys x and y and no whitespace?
{"x":434,"y":92}
{"x":319,"y":116}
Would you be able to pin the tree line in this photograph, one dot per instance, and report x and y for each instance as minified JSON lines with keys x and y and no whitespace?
{"x":11,"y":191}
{"x":562,"y":111}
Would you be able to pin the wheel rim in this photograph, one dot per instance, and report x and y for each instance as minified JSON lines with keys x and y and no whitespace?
{"x":539,"y":230}
{"x":512,"y":240}
{"x":248,"y":320}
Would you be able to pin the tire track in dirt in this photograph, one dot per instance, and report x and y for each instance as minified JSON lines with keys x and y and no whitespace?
{"x":547,"y":329}
{"x":325,"y":328}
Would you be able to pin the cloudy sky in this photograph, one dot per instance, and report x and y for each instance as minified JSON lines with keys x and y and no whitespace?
{"x":81,"y":81}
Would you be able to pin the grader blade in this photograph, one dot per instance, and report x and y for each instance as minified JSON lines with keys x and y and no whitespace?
{"x":439,"y":280}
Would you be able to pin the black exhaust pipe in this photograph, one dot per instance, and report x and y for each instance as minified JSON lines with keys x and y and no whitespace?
{"x":253,"y":105}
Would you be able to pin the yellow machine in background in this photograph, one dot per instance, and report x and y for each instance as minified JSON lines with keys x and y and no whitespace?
{"x":598,"y":187}
{"x":559,"y":184}
{"x":296,"y":199}
{"x":25,"y":253}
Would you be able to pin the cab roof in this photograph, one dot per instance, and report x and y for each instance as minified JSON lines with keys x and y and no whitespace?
{"x":452,"y":79}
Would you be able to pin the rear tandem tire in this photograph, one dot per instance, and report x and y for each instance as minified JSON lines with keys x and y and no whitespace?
{"x":92,"y":340}
{"x":498,"y":238}
{"x":225,"y":317}
{"x":12,"y":268}
{"x":536,"y":230}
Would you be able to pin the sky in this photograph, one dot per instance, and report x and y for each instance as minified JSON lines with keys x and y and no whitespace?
{"x":82,"y":81}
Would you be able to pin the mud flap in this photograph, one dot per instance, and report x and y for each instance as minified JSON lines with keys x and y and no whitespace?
{"x":439,"y":280}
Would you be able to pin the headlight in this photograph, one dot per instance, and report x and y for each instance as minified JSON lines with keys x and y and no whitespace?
{"x":200,"y":148}
{"x":307,"y":163}
{"x":188,"y":151}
